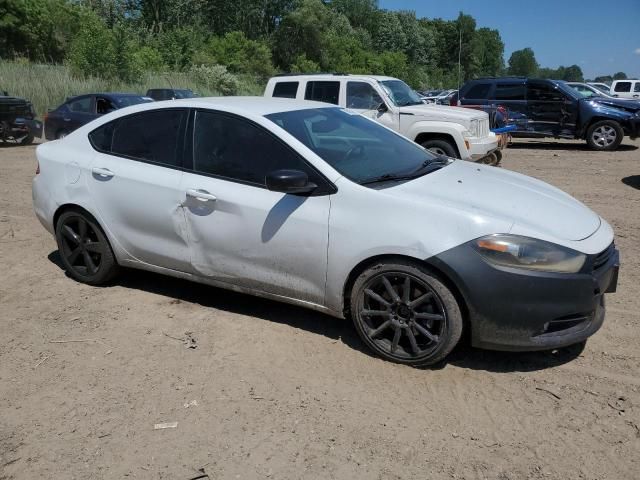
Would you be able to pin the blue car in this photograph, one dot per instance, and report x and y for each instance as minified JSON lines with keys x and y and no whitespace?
{"x":551,"y":108}
{"x":80,"y":110}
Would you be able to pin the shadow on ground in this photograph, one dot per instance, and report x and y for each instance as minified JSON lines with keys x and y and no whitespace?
{"x":559,"y":145}
{"x":464,"y":356}
{"x":632,"y":181}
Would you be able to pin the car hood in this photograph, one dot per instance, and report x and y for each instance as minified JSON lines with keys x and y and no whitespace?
{"x":628,"y":105}
{"x":488,"y":192}
{"x":444,"y":113}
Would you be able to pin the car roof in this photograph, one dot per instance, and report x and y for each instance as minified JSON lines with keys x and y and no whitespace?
{"x":242,"y":105}
{"x":337,"y":76}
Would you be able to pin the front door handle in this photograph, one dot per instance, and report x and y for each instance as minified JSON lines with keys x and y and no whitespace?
{"x":201,"y":195}
{"x":102,"y":172}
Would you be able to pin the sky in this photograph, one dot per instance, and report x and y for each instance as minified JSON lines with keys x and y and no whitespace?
{"x":601,"y":37}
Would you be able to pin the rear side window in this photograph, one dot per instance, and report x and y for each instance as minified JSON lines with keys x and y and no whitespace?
{"x":153,"y":136}
{"x":323,"y":92}
{"x":509,"y":91}
{"x":622,"y":87}
{"x":285,"y":90}
{"x":479,"y":91}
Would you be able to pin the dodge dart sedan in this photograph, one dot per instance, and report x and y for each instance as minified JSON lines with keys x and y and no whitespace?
{"x":310,"y":204}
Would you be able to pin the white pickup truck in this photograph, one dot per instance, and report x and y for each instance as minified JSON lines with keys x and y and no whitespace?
{"x":452,"y":131}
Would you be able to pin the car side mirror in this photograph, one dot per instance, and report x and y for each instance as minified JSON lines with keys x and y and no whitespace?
{"x":382,"y":108}
{"x":289,"y":181}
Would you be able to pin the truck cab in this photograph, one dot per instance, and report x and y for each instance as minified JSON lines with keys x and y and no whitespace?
{"x":455,"y":132}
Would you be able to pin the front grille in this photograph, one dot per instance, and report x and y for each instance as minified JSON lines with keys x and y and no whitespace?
{"x":603,"y":257}
{"x":484,"y":128}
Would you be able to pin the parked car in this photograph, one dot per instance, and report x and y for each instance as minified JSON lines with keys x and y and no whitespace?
{"x":430,"y":96}
{"x":553,"y":109}
{"x":455,"y":132}
{"x":169,"y":93}
{"x":625,"y":89}
{"x":310,"y":204}
{"x":18,"y":123}
{"x":603,"y":87}
{"x":82,"y":109}
{"x":588,"y":90}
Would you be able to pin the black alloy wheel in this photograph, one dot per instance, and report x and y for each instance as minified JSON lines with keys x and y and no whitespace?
{"x":406,"y":315}
{"x":85,"y":251}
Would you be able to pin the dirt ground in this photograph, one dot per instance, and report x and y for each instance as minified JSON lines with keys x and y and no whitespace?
{"x":275,"y":391}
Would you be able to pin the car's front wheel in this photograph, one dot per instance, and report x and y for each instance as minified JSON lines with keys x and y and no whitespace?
{"x":405,"y":313}
{"x":440,"y":147}
{"x":84,"y":248}
{"x":604,"y":135}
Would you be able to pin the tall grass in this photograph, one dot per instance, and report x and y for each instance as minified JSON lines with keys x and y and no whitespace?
{"x":47,"y":86}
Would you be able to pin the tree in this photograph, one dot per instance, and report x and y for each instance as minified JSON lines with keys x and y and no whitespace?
{"x":604,"y":79}
{"x":388,"y":33}
{"x":241,"y":55}
{"x":620,"y":76}
{"x":522,"y":63}
{"x":573,"y":73}
{"x":361,"y":13}
{"x":490,"y":52}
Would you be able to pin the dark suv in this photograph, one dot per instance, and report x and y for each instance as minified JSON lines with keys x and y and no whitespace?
{"x":550,"y":108}
{"x":18,"y":123}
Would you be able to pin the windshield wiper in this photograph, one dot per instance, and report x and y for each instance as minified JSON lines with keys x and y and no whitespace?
{"x":427,"y":166}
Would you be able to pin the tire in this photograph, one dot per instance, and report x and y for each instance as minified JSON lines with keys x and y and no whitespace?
{"x":605,"y":135}
{"x":84,"y":248}
{"x":440,"y":147}
{"x":60,"y":134}
{"x":426,"y":314}
{"x":28,"y":140}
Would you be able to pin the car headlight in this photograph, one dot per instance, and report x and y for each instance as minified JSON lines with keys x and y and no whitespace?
{"x":528,"y":253}
{"x":474,"y":127}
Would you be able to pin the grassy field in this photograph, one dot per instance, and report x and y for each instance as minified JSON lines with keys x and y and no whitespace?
{"x":47,"y":86}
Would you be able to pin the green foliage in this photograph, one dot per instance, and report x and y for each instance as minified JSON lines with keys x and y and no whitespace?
{"x":620,"y":76}
{"x":572,"y":73}
{"x":216,"y":77}
{"x":241,"y":55}
{"x":522,"y":63}
{"x":129,"y":40}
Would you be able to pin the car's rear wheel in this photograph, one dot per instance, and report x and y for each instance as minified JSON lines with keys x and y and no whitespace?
{"x":440,"y":147}
{"x":84,"y":248}
{"x":405,"y":313}
{"x":604,"y":135}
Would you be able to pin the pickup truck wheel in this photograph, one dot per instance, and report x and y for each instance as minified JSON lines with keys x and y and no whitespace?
{"x":605,"y":135}
{"x":440,"y":147}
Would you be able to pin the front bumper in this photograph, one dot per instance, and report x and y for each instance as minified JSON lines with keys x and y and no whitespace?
{"x":514,"y":309}
{"x":480,"y":147}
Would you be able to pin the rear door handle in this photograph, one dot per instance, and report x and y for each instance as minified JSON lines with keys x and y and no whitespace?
{"x":102,"y":172}
{"x":201,"y":195}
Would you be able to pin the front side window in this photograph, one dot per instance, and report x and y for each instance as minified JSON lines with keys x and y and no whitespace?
{"x":327,"y":92}
{"x":234,"y":148}
{"x":622,"y":87}
{"x":479,"y":91}
{"x":153,"y":136}
{"x":285,"y":90}
{"x":543,"y":93}
{"x":509,"y":91}
{"x":81,"y":105}
{"x":362,"y":96}
{"x":636,"y":88}
{"x":358,"y":148}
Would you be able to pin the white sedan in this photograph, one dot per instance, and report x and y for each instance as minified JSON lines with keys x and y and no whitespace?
{"x":310,"y":204}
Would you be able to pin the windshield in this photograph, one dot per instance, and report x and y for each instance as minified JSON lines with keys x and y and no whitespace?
{"x":127,"y":100}
{"x":358,"y":148}
{"x":586,"y":91}
{"x":400,"y":93}
{"x":570,"y":91}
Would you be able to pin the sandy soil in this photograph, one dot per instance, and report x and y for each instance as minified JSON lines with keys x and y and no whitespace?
{"x":274,"y":391}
